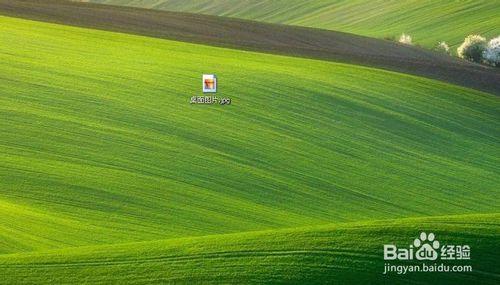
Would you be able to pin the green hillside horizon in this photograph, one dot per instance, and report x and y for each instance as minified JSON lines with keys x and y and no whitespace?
{"x":108,"y":175}
{"x":333,"y":253}
{"x":428,"y":22}
{"x":100,"y":144}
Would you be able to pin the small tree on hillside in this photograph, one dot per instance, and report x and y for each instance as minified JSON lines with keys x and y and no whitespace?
{"x":405,"y":39}
{"x":443,"y":47}
{"x":472,"y":48}
{"x":492,"y":53}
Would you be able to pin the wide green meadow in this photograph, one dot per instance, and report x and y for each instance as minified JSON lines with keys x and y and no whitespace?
{"x":427,"y":21}
{"x":337,"y":253}
{"x":100,"y":147}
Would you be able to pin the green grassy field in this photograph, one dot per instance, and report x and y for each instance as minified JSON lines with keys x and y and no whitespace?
{"x":427,"y":21}
{"x":100,"y":146}
{"x":321,"y":254}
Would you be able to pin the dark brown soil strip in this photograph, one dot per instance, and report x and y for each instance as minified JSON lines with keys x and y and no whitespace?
{"x":262,"y":37}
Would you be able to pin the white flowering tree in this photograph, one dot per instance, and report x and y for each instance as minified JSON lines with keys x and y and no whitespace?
{"x":472,"y":48}
{"x":492,"y":53}
{"x":443,"y":47}
{"x":405,"y":39}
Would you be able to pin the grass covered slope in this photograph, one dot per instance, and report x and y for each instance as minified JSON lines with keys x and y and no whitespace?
{"x":100,"y":144}
{"x":338,"y":253}
{"x":427,"y":21}
{"x":260,"y":37}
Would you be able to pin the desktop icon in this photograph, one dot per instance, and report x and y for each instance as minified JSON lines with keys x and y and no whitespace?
{"x":209,"y":83}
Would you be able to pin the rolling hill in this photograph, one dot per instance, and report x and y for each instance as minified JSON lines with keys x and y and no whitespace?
{"x":429,"y":22}
{"x":108,"y":175}
{"x":309,"y":255}
{"x":261,"y":37}
{"x":100,"y":144}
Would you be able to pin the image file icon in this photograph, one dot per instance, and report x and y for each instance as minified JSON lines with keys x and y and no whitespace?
{"x":209,"y":83}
